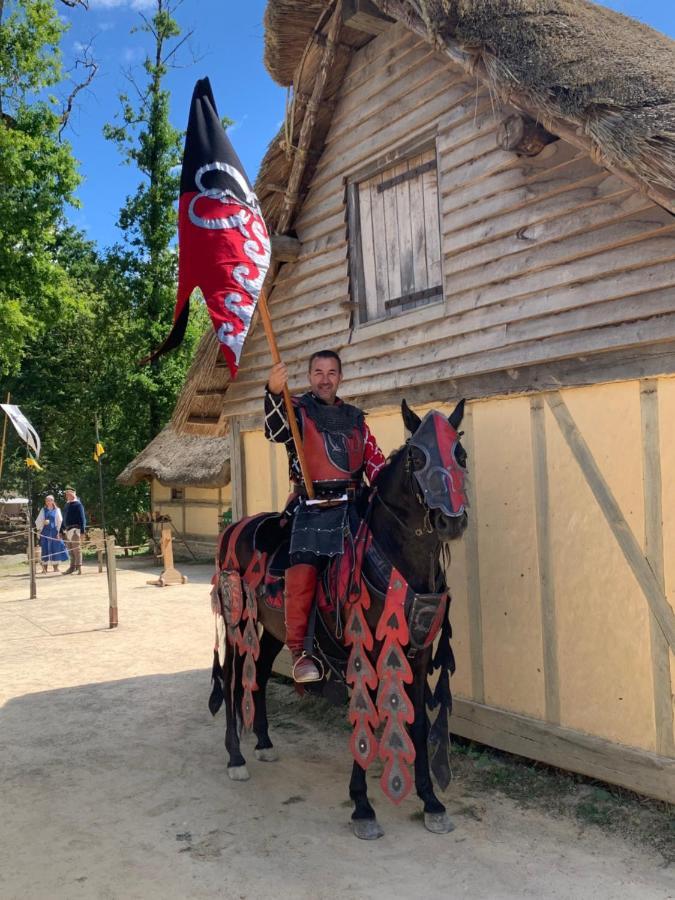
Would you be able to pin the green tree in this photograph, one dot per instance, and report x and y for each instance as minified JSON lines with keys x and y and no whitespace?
{"x":144,"y":267}
{"x":38,"y":175}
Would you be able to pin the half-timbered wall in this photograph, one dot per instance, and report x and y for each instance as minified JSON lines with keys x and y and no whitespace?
{"x":196,"y":515}
{"x":543,"y":258}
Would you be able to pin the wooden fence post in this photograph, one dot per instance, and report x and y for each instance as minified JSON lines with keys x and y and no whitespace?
{"x":112,"y":581}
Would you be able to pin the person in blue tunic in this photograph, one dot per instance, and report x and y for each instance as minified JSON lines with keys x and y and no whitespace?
{"x":48,"y":523}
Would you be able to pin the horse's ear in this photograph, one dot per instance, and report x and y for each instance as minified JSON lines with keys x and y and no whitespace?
{"x":410,"y":419}
{"x":456,"y":416}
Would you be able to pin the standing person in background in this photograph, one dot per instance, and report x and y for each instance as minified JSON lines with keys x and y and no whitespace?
{"x":74,"y":525}
{"x":48,"y":523}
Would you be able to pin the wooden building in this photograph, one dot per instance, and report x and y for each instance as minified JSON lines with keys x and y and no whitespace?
{"x":476,"y":200}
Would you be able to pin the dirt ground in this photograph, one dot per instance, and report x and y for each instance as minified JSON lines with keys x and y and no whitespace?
{"x":113,"y":777}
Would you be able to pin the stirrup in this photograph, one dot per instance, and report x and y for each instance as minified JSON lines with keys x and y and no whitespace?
{"x":312,"y":673}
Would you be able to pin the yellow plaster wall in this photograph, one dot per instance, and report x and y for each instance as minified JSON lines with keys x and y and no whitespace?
{"x":159,"y":491}
{"x":666,"y":393}
{"x":258,"y":480}
{"x":507,"y":550}
{"x":201,"y":520}
{"x":601,"y":614}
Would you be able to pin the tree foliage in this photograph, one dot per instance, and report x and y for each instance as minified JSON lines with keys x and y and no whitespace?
{"x":38,"y":175}
{"x":74,"y":319}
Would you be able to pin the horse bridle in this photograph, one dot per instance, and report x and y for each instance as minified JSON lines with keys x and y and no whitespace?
{"x":408,"y":467}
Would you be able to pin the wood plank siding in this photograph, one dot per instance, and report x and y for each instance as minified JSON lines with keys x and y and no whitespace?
{"x":540,"y":259}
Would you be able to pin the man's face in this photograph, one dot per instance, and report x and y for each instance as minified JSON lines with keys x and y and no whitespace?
{"x":325,"y":378}
{"x":70,"y":496}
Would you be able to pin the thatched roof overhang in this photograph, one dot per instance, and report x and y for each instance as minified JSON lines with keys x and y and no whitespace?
{"x":178,"y":459}
{"x":592,"y":76}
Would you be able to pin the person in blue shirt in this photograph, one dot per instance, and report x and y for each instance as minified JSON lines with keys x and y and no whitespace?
{"x":73,"y":526}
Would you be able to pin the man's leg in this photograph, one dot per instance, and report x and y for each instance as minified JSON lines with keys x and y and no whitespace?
{"x":69,"y":547}
{"x":301,"y":581}
{"x":77,"y":553}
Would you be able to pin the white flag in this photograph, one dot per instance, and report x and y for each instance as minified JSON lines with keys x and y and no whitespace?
{"x":23,"y":427}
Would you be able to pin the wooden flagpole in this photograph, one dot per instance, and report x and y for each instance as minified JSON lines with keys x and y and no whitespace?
{"x":290,"y":411}
{"x":4,"y":437}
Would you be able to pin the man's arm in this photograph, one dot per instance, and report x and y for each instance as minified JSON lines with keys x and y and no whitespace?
{"x":276,"y":421}
{"x":373,"y":457}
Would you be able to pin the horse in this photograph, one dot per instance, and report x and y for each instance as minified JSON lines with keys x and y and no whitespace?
{"x":416,"y":507}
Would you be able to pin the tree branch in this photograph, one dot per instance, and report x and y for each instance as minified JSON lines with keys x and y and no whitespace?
{"x":88,"y":63}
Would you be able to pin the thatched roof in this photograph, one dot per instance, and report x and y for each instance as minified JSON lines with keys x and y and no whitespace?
{"x":177,"y":459}
{"x":583,"y":70}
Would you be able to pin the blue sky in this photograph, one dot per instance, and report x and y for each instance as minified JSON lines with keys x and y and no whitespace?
{"x":228,"y":47}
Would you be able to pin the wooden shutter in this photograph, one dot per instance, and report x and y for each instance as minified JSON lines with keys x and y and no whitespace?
{"x":400,"y":248}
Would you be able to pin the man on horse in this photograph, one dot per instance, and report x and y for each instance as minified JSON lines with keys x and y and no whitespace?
{"x":339,"y":450}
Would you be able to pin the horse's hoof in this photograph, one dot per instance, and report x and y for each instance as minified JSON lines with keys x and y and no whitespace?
{"x":238,"y":773}
{"x":266,"y":754}
{"x":438,"y":823}
{"x":367,"y":829}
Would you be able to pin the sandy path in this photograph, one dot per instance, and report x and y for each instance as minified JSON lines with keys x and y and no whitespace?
{"x":113,"y":779}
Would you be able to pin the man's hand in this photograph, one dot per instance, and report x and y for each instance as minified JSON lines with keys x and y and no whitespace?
{"x":278,"y":378}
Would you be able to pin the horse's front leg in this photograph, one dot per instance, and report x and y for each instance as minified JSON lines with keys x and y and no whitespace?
{"x":436,"y":818}
{"x":364,"y":821}
{"x":269,"y":650}
{"x":236,"y":766}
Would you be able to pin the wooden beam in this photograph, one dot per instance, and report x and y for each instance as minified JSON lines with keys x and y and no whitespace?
{"x":523,"y":135}
{"x":653,"y":512}
{"x":544,"y":553}
{"x":475,"y":612}
{"x":237,"y":471}
{"x":363,"y":15}
{"x":623,"y":534}
{"x":285,"y":248}
{"x":304,"y":141}
{"x":641,"y":771}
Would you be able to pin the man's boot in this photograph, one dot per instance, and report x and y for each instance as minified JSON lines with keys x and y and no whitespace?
{"x":78,"y":570}
{"x":69,"y":570}
{"x":299,"y":594}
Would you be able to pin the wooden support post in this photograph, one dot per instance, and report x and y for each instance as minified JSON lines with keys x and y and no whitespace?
{"x":111,"y":567}
{"x":31,"y":558}
{"x":170,"y":575}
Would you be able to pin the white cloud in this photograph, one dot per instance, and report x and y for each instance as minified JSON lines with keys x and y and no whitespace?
{"x":117,"y":4}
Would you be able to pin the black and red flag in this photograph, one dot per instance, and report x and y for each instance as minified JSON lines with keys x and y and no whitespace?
{"x":223,"y":244}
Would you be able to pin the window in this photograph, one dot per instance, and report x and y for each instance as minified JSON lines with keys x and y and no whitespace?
{"x":395,"y":245}
{"x":177,"y":493}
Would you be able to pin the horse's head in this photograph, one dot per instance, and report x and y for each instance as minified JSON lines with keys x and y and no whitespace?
{"x":436,"y":461}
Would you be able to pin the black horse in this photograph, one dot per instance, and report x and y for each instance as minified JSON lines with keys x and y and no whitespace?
{"x":416,"y":508}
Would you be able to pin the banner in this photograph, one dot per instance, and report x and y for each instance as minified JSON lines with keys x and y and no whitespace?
{"x":223,"y":244}
{"x":23,"y":427}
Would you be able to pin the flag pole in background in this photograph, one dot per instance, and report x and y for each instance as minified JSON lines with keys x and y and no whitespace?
{"x":223,"y":245}
{"x":99,"y":450}
{"x":4,"y":437}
